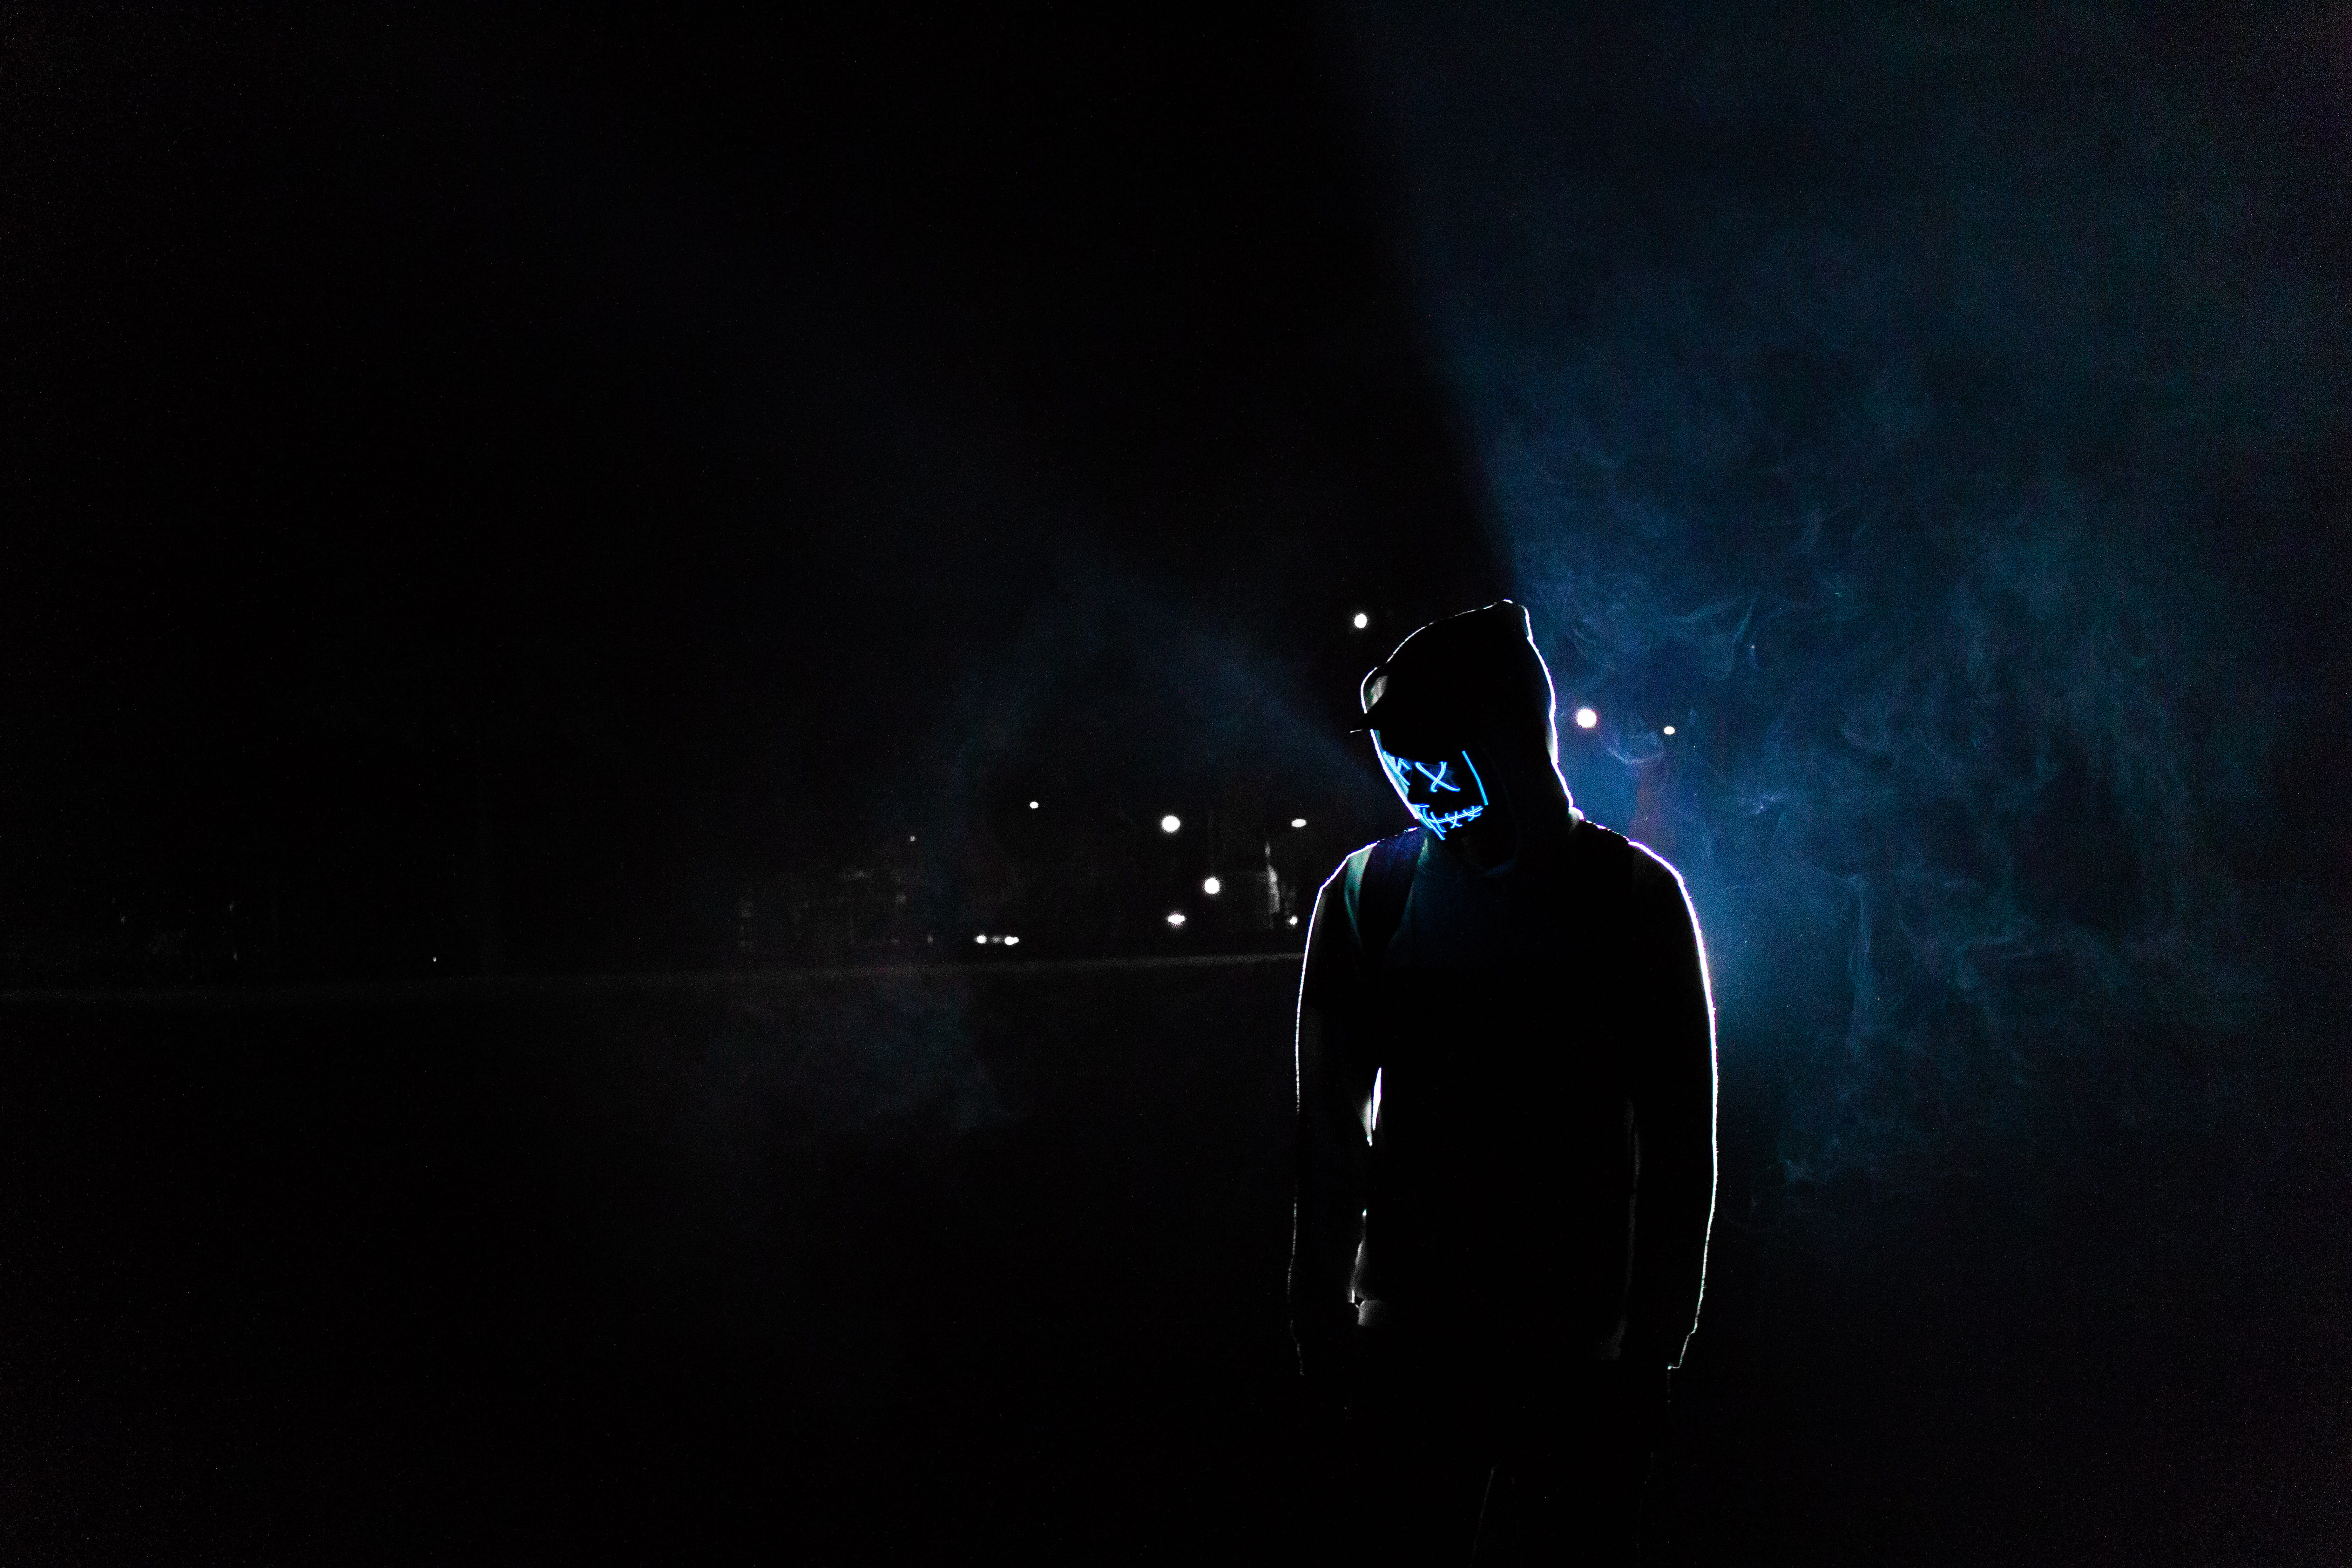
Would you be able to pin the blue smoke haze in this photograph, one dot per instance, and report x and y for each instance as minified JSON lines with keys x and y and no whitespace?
{"x":1918,"y":413}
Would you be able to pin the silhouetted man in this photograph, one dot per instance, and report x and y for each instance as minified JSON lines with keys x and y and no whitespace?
{"x":1506,"y":1152}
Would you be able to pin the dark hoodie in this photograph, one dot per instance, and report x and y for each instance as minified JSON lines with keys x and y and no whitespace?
{"x":1538,"y":1183}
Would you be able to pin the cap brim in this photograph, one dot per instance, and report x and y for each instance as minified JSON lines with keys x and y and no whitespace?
{"x":1418,"y":729}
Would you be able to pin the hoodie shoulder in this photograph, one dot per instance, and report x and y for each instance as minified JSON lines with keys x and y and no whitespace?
{"x":1655,"y":883}
{"x":1661,"y":899}
{"x":1652,"y":869}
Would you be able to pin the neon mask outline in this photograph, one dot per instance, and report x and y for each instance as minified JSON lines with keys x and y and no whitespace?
{"x":1437,"y":775}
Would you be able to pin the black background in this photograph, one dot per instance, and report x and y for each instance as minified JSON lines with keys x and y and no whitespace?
{"x":560,"y":461}
{"x":480,"y":489}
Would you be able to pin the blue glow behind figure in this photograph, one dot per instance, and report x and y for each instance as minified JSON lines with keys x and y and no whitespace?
{"x":1443,"y":791}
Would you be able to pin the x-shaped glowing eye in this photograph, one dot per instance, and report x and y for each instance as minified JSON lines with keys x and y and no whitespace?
{"x":1440,"y":776}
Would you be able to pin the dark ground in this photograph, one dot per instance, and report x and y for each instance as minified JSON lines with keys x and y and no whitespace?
{"x":959,"y":1266}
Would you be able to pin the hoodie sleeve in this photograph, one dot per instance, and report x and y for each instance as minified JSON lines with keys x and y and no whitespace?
{"x":1332,"y":1149}
{"x":1674,"y":1111}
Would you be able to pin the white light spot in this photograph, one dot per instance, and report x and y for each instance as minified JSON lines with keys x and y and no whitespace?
{"x":1170,"y":822}
{"x":1013,"y":941}
{"x":1297,"y":822}
{"x":1294,"y":919}
{"x":981,"y":939}
{"x":1362,"y":620}
{"x":1175,"y":917}
{"x":1586,"y":718}
{"x":1670,"y":729}
{"x":911,"y":838}
{"x":1213,"y":887}
{"x":1033,"y":806}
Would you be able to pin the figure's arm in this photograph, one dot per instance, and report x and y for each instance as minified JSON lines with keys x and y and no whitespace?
{"x":1333,"y":1151}
{"x":1674,"y":1111}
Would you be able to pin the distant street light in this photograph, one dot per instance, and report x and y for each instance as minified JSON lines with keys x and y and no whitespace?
{"x":1586,"y":718}
{"x":1213,"y":887}
{"x":1175,"y":917}
{"x":1033,"y":806}
{"x":981,"y":939}
{"x":1170,"y":822}
{"x":1297,"y":822}
{"x":1362,"y":620}
{"x":1670,"y":729}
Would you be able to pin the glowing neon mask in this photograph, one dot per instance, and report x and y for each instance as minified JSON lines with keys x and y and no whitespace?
{"x":1443,"y":791}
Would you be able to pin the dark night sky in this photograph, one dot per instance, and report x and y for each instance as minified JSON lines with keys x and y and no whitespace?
{"x":581,"y":465}
{"x":665,"y":452}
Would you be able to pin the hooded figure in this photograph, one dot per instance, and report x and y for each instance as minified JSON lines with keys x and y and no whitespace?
{"x":1505,"y":1132}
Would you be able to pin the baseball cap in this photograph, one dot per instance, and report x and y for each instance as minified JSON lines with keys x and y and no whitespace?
{"x":1461,"y":676}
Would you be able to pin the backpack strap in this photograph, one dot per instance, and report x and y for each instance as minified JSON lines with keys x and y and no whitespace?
{"x":1381,"y":898}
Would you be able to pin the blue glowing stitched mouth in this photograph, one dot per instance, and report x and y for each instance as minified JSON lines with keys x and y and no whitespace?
{"x":1441,"y":822}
